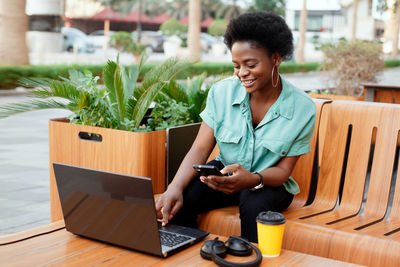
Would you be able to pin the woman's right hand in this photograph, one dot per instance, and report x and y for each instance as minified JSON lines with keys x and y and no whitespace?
{"x":168,"y":204}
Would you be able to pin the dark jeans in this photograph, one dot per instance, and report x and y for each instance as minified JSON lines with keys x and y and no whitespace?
{"x":199,"y":198}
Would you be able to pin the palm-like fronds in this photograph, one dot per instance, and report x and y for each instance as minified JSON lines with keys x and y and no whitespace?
{"x":121,"y":104}
{"x":47,"y":90}
{"x":51,"y":88}
{"x":11,"y":109}
{"x":112,"y":76}
{"x":155,"y":80}
{"x":191,"y":93}
{"x":197,"y":96}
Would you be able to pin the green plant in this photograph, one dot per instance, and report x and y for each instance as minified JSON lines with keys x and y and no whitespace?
{"x":351,"y":64}
{"x":169,"y":113}
{"x":124,"y":43}
{"x":122,"y":104}
{"x":172,"y":27}
{"x":120,"y":40}
{"x":218,"y":27}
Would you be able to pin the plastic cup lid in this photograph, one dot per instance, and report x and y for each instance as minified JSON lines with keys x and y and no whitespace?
{"x":271,"y":218}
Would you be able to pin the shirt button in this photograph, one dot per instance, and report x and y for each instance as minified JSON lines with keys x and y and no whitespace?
{"x":276,"y":113}
{"x":244,"y":105}
{"x":283,"y":152}
{"x":220,"y":137}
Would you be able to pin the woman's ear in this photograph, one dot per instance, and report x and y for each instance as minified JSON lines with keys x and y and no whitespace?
{"x":276,"y":59}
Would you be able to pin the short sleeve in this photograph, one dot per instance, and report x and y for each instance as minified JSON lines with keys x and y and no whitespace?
{"x":301,"y":144}
{"x":208,"y":114}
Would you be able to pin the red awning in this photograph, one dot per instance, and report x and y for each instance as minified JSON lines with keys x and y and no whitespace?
{"x":184,"y":21}
{"x":160,"y":19}
{"x":134,"y":17}
{"x":207,"y":22}
{"x":107,"y":14}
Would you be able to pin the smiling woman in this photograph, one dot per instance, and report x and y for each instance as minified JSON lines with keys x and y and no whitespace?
{"x":261,"y":123}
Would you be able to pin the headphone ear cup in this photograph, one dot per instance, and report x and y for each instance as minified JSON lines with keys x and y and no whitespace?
{"x":219,"y":249}
{"x":238,"y":246}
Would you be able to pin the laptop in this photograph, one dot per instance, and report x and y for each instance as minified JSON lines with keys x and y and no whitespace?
{"x":179,"y":141}
{"x":118,"y":209}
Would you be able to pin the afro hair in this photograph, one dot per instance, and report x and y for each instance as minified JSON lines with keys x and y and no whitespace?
{"x":264,"y":29}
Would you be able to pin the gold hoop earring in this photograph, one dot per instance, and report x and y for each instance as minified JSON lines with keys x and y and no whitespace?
{"x":272,"y":77}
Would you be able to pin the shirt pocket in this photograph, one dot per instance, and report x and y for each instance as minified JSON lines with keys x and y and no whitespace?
{"x":230,"y":145}
{"x":229,"y":137}
{"x":278,"y":147}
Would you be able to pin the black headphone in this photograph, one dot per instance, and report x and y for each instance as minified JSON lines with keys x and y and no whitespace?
{"x":216,"y":250}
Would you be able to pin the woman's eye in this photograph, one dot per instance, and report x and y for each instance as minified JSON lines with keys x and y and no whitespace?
{"x":252,"y":66}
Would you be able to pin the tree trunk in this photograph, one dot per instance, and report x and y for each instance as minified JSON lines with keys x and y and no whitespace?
{"x":299,"y":56}
{"x":13,"y":27}
{"x":139,"y":23}
{"x":354,"y":26}
{"x":395,"y":43}
{"x":194,"y":30}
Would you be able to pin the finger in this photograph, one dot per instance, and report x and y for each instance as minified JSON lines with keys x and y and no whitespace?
{"x":230,"y":168}
{"x":210,"y":182}
{"x":203,"y":178}
{"x":175,"y":209}
{"x":219,"y":179}
{"x":158,"y":209}
{"x":165,"y":214}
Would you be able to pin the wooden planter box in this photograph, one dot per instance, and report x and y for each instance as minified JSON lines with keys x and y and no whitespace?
{"x":133,"y":153}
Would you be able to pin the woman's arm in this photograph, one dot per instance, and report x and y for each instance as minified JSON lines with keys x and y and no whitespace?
{"x":168,"y":204}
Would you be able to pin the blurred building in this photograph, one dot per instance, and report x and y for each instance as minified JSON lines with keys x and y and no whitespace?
{"x":370,"y":25}
{"x":45,"y":21}
{"x":82,"y":8}
{"x":329,"y":20}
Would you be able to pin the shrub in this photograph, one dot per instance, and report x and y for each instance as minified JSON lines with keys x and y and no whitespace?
{"x":172,"y":27}
{"x":218,"y":27}
{"x":391,"y":63}
{"x":352,"y":63}
{"x":9,"y":75}
{"x":124,"y":43}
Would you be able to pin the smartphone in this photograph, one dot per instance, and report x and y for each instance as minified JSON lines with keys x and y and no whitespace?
{"x":206,"y":170}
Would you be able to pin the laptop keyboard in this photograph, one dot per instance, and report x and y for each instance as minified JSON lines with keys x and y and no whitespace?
{"x":171,"y":239}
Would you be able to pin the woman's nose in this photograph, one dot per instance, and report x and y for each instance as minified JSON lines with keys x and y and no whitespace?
{"x":243,"y":72}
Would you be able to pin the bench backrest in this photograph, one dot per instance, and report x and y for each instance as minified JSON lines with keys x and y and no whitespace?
{"x":303,"y":171}
{"x":357,"y":134}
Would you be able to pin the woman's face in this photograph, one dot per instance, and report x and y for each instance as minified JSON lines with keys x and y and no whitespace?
{"x":253,"y":66}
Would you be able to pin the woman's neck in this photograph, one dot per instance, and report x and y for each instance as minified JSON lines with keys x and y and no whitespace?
{"x":268,"y":95}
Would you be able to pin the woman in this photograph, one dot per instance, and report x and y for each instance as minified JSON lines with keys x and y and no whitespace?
{"x":261,"y":123}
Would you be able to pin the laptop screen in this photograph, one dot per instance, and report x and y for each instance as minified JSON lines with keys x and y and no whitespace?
{"x":114,"y":208}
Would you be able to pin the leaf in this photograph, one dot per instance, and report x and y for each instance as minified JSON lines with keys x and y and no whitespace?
{"x":155,"y":80}
{"x":177,"y":92}
{"x":114,"y":85}
{"x":11,"y":109}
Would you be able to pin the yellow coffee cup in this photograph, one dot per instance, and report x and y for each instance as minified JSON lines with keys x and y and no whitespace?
{"x":270,"y":228}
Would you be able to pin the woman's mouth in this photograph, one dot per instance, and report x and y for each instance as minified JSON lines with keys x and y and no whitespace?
{"x":248,"y":83}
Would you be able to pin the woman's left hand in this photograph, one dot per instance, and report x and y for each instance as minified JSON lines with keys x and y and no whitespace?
{"x":239,"y":180}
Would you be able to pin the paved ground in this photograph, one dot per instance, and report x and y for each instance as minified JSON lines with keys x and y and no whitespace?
{"x":24,"y":168}
{"x":24,"y":160}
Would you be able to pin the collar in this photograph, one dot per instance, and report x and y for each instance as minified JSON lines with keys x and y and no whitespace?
{"x":284,"y":105}
{"x":241,"y":95}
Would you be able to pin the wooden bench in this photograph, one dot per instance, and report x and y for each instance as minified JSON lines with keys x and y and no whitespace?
{"x":355,"y":216}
